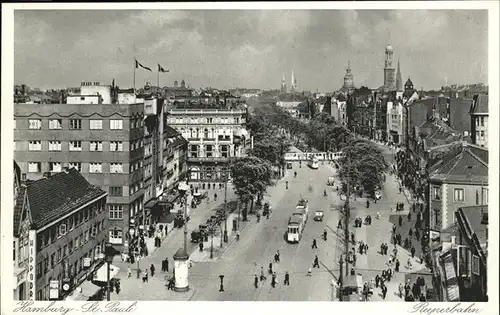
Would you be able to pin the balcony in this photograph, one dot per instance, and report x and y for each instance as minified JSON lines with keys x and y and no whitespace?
{"x":208,"y":159}
{"x":193,"y":139}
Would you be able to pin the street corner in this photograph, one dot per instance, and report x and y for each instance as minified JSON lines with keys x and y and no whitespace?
{"x":205,"y":255}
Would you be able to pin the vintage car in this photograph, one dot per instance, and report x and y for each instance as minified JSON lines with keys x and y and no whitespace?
{"x":330,"y":181}
{"x":318,"y":216}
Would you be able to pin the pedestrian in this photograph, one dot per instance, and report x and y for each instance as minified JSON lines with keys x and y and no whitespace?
{"x":256,"y":282}
{"x":145,"y":276}
{"x":406,"y":243}
{"x":396,"y":265}
{"x":352,"y":238}
{"x":129,"y":272}
{"x":316,"y":262}
{"x":366,"y":248}
{"x":400,"y":220}
{"x":410,"y":232}
{"x":314,"y":245}
{"x":166,"y":264}
{"x":382,"y":248}
{"x":354,"y":259}
{"x":386,"y":248}
{"x":270,"y":267}
{"x":384,"y":292}
{"x":389,"y":274}
{"x":408,"y":264}
{"x":324,"y":234}
{"x":152,"y":268}
{"x":367,"y":203}
{"x":394,"y":229}
{"x":412,"y":252}
{"x":273,"y":280}
{"x":409,"y":216}
{"x":275,"y":258}
{"x":163,"y":266}
{"x":377,"y":279}
{"x":339,"y":225}
{"x":201,"y":246}
{"x":278,"y":255}
{"x":400,"y":289}
{"x":287,"y":279}
{"x":353,"y":272}
{"x":262,"y":277}
{"x":400,"y":189}
{"x":417,"y":235}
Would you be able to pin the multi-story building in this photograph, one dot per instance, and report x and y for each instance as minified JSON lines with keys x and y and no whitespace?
{"x":460,"y":261}
{"x":215,"y":134}
{"x":479,"y":120}
{"x":459,"y":179}
{"x":60,"y":230}
{"x":105,"y":142}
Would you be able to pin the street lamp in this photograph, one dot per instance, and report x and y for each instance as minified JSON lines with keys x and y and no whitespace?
{"x":183,"y":189}
{"x":226,"y":176}
{"x":109,"y":253}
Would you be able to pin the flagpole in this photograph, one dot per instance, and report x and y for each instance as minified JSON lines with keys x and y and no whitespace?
{"x":135,"y":64}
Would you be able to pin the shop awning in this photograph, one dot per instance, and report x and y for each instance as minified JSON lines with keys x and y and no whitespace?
{"x":101,"y":274}
{"x":151,"y":203}
{"x":83,"y":292}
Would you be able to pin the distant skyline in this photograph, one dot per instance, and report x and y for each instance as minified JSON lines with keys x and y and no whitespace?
{"x":249,"y":48}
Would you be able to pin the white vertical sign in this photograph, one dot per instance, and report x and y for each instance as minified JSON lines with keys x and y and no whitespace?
{"x":32,"y":265}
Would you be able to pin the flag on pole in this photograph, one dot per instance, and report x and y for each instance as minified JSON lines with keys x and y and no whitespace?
{"x":160,"y":69}
{"x":138,"y":64}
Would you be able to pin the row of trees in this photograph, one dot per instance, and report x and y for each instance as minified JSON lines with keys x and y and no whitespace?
{"x":274,"y":131}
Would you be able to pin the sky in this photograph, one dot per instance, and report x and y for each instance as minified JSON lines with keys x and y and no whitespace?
{"x":249,"y":48}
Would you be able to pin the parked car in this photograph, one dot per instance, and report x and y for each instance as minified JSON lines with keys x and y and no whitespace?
{"x":330,"y":181}
{"x":378,"y":195}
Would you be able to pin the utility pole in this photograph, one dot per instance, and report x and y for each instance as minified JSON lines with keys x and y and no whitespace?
{"x":346,"y":225}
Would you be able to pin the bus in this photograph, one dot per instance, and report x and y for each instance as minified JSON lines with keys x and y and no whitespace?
{"x":313,"y":162}
{"x":295,"y":228}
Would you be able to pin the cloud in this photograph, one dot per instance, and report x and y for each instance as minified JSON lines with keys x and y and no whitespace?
{"x":248,"y":47}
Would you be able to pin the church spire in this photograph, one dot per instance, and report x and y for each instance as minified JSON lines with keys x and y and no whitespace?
{"x":399,"y":80}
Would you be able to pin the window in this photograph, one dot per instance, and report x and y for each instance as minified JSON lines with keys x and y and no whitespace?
{"x":52,"y":260}
{"x":194,"y":151}
{"x":116,"y":146}
{"x":54,"y":145}
{"x":115,"y":236}
{"x":237,"y":120}
{"x":34,"y":167}
{"x":482,"y":121}
{"x":75,"y":146}
{"x":75,"y":124}
{"x":481,"y":134}
{"x":458,"y":194}
{"x":116,"y":124}
{"x":475,"y":265}
{"x":55,"y":166}
{"x":477,"y":197}
{"x":55,"y":124}
{"x":209,"y":149}
{"x":116,"y":191}
{"x":95,"y":168}
{"x":437,"y":217}
{"x":436,"y":193}
{"x":76,"y":165}
{"x":225,"y":151}
{"x":96,"y":124}
{"x":116,"y":168}
{"x":96,"y":146}
{"x":35,"y":146}
{"x":35,"y":124}
{"x":62,"y":229}
{"x":115,"y":212}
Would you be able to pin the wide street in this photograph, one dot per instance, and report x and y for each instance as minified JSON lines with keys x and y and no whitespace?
{"x":239,"y":261}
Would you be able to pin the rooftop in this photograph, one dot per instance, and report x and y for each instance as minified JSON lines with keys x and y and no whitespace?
{"x":467,"y":164}
{"x":473,"y":214}
{"x":479,"y":104}
{"x":56,"y":196}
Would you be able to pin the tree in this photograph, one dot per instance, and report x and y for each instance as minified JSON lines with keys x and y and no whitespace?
{"x":272,"y":149}
{"x":363,"y":165}
{"x":251,"y":177}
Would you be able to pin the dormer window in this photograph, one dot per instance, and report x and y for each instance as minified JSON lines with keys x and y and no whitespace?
{"x":62,"y":229}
